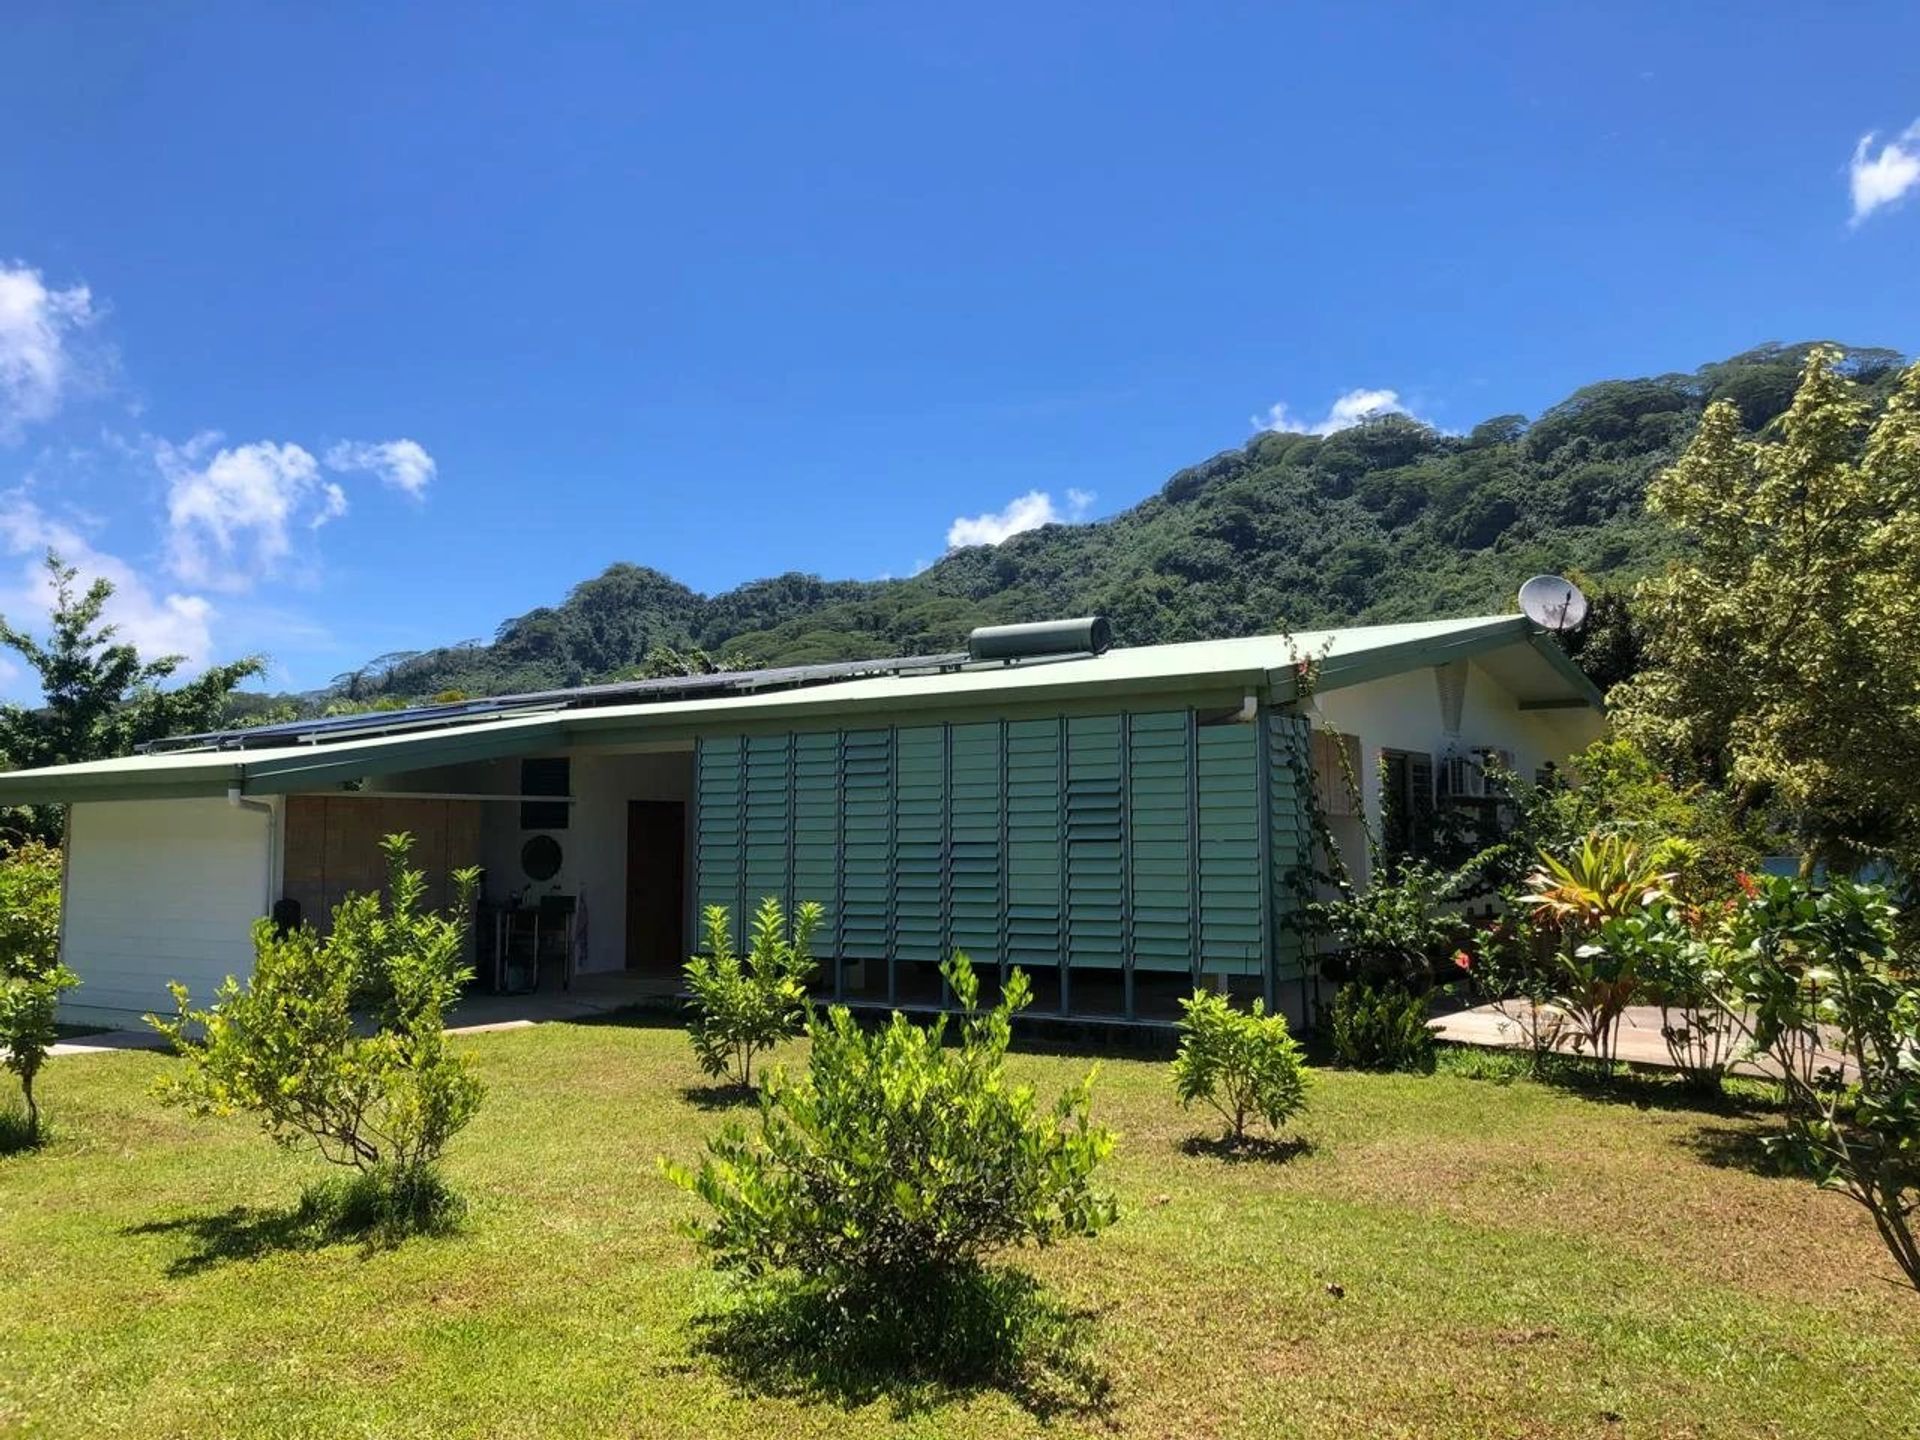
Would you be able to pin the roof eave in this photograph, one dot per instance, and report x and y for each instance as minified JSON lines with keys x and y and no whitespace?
{"x":1338,"y":671}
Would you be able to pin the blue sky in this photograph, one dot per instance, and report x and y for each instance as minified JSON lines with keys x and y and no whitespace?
{"x":332,"y":330}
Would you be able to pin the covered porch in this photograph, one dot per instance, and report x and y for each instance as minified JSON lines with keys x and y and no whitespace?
{"x":584,"y":900}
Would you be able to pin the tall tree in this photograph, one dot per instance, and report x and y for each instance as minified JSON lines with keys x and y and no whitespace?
{"x":1783,"y":654}
{"x":101,"y":697}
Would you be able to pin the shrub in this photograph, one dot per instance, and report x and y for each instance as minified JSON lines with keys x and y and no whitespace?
{"x":1606,"y":879}
{"x":1512,"y":964}
{"x":896,"y":1160}
{"x":1242,"y":1063}
{"x":1814,"y":982}
{"x":744,"y":1004}
{"x":1383,"y":1029}
{"x":1676,"y":964}
{"x":382,"y":1092}
{"x":32,"y":979}
{"x":1395,"y":932}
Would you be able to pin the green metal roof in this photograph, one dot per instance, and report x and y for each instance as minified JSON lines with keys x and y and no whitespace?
{"x":1267,"y":665}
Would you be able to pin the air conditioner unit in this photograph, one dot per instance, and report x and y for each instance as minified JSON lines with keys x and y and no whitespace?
{"x":1461,"y":778}
{"x":1464,"y":777}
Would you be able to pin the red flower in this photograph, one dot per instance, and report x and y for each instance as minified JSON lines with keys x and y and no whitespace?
{"x":1746,"y":884}
{"x":1463,"y":960}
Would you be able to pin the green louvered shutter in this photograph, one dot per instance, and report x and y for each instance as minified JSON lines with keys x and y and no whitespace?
{"x":1160,"y":852}
{"x":719,"y":834}
{"x":1096,"y":839}
{"x":978,"y":776}
{"x":769,"y":811}
{"x":920,"y":843}
{"x":1290,"y":841}
{"x":1232,"y":889}
{"x":1034,"y":930}
{"x":816,"y":831}
{"x":866,"y":923}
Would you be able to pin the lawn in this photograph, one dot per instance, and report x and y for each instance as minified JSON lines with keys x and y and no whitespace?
{"x":1450,"y":1257}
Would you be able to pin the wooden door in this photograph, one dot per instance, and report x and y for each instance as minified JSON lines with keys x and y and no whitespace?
{"x":656,"y":886}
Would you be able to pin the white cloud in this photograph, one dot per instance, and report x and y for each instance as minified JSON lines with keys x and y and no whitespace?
{"x":37,"y":363}
{"x":1026,"y":512}
{"x":156,"y":624}
{"x":1346,"y":412}
{"x":1881,"y":179}
{"x":231,"y":516}
{"x":403,"y":464}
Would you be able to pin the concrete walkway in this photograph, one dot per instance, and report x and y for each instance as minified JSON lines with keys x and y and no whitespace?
{"x":1639,"y":1041}
{"x":476,"y":1014}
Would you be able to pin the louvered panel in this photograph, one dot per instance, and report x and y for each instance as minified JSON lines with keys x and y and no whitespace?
{"x":817,"y":831}
{"x":1095,"y":842}
{"x":1229,"y":793}
{"x":976,"y":857}
{"x":920,"y":843}
{"x":1034,"y":860}
{"x":719,"y":769}
{"x":1160,"y":853}
{"x":867,"y":857}
{"x":769,"y":817}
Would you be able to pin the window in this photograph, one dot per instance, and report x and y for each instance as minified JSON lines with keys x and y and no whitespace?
{"x":1336,"y":770}
{"x":1406,"y":803}
{"x":545,"y":775}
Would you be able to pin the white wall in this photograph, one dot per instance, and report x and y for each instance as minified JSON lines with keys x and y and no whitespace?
{"x":1404,"y":712}
{"x":160,"y":890}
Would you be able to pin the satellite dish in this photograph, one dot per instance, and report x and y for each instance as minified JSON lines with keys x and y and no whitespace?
{"x":1553,"y":603}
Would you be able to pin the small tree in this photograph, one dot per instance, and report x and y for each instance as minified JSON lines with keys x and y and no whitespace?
{"x":1814,"y":983}
{"x":1242,"y":1063}
{"x":745,"y":1004}
{"x":896,"y":1160}
{"x":381,"y":1092}
{"x":32,"y":979}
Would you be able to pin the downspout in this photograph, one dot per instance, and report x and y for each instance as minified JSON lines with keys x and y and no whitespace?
{"x":1248,"y":712}
{"x":240,"y":801}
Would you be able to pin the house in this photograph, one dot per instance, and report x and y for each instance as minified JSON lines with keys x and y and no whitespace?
{"x":1123,"y":823}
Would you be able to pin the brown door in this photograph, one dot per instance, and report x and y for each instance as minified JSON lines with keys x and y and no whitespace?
{"x":656,"y":885}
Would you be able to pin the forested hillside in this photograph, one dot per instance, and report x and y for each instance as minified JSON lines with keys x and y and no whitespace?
{"x":1389,"y":520}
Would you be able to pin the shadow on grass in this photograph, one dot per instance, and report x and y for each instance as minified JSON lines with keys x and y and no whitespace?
{"x":662,"y":1014}
{"x":371,"y":1210}
{"x":1253,"y":1149}
{"x":719,"y":1097}
{"x":15,"y":1137}
{"x":1644,"y":1088}
{"x":940,"y":1340}
{"x":1729,"y":1147}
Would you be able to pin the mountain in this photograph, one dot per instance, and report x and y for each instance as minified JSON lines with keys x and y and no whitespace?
{"x":1388,"y":520}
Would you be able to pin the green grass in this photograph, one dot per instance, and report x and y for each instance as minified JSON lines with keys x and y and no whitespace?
{"x":1448,"y":1256}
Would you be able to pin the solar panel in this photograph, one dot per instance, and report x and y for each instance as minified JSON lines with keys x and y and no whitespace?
{"x":325,"y":729}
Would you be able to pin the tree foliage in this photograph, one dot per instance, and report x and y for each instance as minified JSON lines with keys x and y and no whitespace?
{"x":1813,"y":980}
{"x":380,"y":1090}
{"x":101,"y":697}
{"x":1780,"y":653}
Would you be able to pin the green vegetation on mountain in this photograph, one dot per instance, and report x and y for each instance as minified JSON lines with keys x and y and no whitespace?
{"x":1390,"y":520}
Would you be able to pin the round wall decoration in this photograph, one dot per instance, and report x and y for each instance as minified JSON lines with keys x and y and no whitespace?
{"x":540,"y":857}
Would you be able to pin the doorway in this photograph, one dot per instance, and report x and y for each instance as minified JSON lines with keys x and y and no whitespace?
{"x":656,"y":886}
